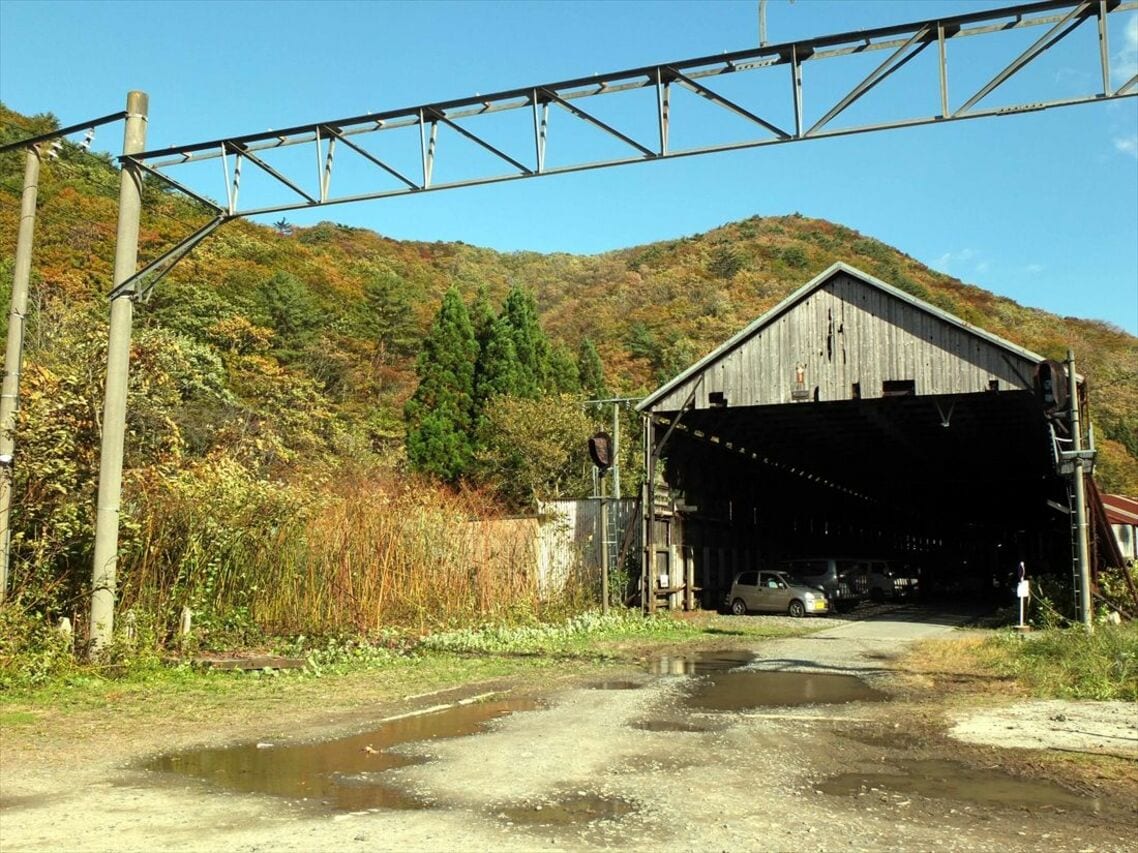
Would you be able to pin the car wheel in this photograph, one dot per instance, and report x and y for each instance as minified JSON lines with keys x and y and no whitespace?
{"x":797,"y":609}
{"x":739,"y":607}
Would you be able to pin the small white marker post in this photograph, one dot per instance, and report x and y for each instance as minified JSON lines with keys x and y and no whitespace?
{"x":1023,"y":592}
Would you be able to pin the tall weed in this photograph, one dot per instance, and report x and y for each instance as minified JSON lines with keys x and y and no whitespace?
{"x":1069,"y":663}
{"x":357,"y":554}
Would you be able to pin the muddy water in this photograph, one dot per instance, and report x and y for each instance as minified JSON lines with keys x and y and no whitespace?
{"x":740,"y":690}
{"x":698,"y":663}
{"x":950,"y":780}
{"x":345,"y":774}
{"x":614,"y":685}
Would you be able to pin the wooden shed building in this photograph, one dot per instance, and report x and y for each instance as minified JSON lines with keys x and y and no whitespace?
{"x":854,"y":419}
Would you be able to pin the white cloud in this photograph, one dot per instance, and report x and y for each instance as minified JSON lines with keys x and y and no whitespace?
{"x":1127,"y":145}
{"x":1034,"y":269}
{"x":962,"y":262}
{"x":949,"y":259}
{"x":1124,"y":63}
{"x":1075,"y":76}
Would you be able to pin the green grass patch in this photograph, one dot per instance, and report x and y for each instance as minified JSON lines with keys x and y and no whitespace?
{"x":384,"y":664}
{"x":1068,"y":663}
{"x":593,"y":635}
{"x":17,"y":718}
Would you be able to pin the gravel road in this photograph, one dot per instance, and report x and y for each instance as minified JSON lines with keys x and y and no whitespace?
{"x":669,"y":755}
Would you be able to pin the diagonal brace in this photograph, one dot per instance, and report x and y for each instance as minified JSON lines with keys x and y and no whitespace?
{"x":210,"y":203}
{"x":477,"y":140}
{"x":243,"y":151}
{"x":726,"y":103}
{"x":154,"y":271}
{"x":1053,"y":35}
{"x":895,"y":61}
{"x":549,"y":95}
{"x":367,"y":155}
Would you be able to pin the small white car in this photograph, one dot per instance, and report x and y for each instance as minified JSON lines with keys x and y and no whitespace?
{"x":774,"y":592}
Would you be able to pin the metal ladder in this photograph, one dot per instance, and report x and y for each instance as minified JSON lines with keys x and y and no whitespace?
{"x":1073,"y":529}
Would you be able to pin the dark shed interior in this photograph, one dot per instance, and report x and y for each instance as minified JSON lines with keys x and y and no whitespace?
{"x":957,"y":488}
{"x":854,"y":420}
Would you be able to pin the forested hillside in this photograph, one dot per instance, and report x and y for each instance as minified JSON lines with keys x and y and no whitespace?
{"x":272,"y":371}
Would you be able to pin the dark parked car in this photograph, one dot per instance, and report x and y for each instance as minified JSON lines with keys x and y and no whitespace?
{"x":843,"y":580}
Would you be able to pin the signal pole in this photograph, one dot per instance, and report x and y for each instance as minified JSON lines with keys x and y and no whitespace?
{"x":118,"y":376}
{"x":1080,"y":500}
{"x":14,"y":352}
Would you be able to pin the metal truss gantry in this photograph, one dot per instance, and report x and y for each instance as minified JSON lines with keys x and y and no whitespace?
{"x":897,"y":45}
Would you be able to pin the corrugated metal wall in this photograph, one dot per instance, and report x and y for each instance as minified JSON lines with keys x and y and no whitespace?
{"x":571,"y":536}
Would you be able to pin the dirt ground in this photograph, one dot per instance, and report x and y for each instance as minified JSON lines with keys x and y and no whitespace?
{"x":742,"y":748}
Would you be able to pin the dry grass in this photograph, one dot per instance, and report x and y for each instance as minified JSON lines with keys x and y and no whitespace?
{"x":371,"y":557}
{"x":361,"y":554}
{"x":1054,"y":663}
{"x":960,"y":664}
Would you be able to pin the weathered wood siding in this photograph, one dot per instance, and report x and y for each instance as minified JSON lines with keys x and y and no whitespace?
{"x":848,"y":332}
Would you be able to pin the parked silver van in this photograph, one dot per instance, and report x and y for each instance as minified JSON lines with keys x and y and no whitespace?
{"x":844,"y":581}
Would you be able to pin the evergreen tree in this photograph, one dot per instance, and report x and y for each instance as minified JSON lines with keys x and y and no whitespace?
{"x":591,"y":371}
{"x":563,"y":373}
{"x":482,"y":316}
{"x":287,"y":306}
{"x":530,"y":343}
{"x":388,"y":318}
{"x":499,"y":371}
{"x":440,"y":412}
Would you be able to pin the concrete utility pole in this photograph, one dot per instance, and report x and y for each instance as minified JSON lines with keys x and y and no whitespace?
{"x":604,"y":555}
{"x":1080,"y":498}
{"x":118,"y":376}
{"x":14,"y":354}
{"x":616,"y":451}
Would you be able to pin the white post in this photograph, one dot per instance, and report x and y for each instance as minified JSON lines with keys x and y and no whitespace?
{"x":14,"y":353}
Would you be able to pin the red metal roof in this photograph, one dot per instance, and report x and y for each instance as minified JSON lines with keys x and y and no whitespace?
{"x":1121,"y":509}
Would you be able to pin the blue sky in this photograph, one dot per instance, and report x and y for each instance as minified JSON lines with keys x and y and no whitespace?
{"x":1042,"y":208}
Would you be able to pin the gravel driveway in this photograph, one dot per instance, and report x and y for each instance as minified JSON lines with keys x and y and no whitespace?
{"x":639,"y":761}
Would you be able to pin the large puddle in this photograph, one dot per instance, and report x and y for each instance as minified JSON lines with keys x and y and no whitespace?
{"x":343,"y":775}
{"x":698,"y":663}
{"x":740,"y":690}
{"x":950,"y":780}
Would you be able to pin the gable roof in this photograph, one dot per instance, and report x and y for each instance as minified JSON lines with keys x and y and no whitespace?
{"x":802,"y":293}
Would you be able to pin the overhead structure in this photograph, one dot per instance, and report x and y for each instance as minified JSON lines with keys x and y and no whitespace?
{"x":407,"y":151}
{"x":856,"y":420}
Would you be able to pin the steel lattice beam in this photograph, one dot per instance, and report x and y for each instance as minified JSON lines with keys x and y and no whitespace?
{"x":903,"y":42}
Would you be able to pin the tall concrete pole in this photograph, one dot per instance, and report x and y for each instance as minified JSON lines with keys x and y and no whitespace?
{"x":616,"y":451}
{"x":604,"y":556}
{"x":14,"y":354}
{"x":1080,"y":499}
{"x":118,"y":376}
